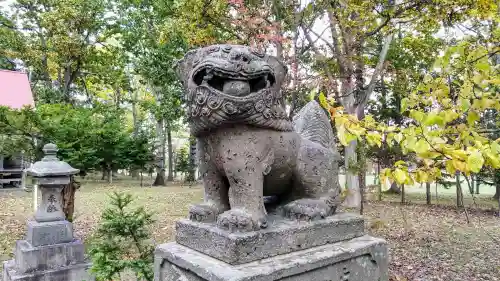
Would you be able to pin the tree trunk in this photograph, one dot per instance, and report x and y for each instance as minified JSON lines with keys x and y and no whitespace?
{"x":460,"y":198}
{"x":170,"y":176}
{"x":476,"y":182}
{"x":497,"y":193}
{"x":141,"y":177}
{"x":103,"y":173}
{"x":362,"y":174}
{"x":191,"y":176}
{"x":402,"y":194}
{"x":160,"y":178}
{"x":353,"y":198}
{"x":68,"y":198}
{"x":428,"y":192}
{"x":379,"y":187}
{"x":134,"y":173}
{"x":109,"y":175}
{"x":161,"y":140}
{"x":362,"y":188}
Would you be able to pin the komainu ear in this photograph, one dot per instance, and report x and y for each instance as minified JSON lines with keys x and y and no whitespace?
{"x":183,"y":66}
{"x":280,"y":69}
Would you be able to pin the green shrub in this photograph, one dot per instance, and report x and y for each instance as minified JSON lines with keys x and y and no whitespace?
{"x":122,"y":241}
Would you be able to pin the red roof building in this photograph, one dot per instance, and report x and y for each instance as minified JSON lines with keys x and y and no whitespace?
{"x":15,"y":90}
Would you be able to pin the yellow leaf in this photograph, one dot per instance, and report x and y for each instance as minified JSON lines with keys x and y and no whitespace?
{"x":341,"y":133}
{"x":356,"y":130}
{"x":495,"y":147}
{"x":494,"y":159}
{"x":472,"y":117}
{"x":422,"y":146}
{"x":429,"y":154}
{"x":417,"y":115}
{"x":400,"y":176}
{"x":398,"y":137}
{"x":400,"y":163}
{"x":460,"y":154}
{"x":323,"y":101}
{"x":434,"y":119}
{"x":487,"y":103}
{"x":450,"y":168}
{"x":409,"y":180}
{"x":464,"y":104}
{"x":475,"y":161}
{"x":459,"y":165}
{"x":466,"y":90}
{"x":422,"y":176}
{"x":404,"y":104}
{"x":449,"y":115}
{"x":374,"y":138}
{"x":483,"y":66}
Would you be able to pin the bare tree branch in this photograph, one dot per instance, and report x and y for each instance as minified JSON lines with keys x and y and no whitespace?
{"x":363,"y":99}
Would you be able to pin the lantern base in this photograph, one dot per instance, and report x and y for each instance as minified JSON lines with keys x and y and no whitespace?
{"x":49,"y":233}
{"x":76,"y":272}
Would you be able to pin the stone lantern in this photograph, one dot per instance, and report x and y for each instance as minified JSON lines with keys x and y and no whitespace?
{"x":49,"y":252}
{"x":51,"y":175}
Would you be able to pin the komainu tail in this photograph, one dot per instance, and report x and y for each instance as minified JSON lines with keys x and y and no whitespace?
{"x":312,"y":123}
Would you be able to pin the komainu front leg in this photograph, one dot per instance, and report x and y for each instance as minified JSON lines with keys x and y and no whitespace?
{"x":246,"y":193}
{"x":247,"y":205}
{"x":316,"y":191}
{"x":215,"y":201}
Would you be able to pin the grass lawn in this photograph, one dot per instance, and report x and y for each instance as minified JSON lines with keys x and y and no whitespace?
{"x":426,"y":242}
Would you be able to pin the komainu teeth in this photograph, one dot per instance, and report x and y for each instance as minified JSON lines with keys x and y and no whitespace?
{"x":208,"y":76}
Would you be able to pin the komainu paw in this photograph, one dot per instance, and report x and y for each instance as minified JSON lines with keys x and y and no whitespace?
{"x":237,"y":220}
{"x":204,"y":212}
{"x":307,"y":209}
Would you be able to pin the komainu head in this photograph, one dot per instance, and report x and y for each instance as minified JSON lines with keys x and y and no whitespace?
{"x":232,"y":84}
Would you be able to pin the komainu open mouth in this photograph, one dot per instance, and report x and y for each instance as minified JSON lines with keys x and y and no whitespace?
{"x":234,"y":83}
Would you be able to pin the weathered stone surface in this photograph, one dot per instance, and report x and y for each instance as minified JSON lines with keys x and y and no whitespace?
{"x":282,"y":236}
{"x":78,"y":272}
{"x":29,"y":258}
{"x":50,"y":166}
{"x":359,"y":259}
{"x":248,"y":147}
{"x":50,"y":208}
{"x":48,"y":233}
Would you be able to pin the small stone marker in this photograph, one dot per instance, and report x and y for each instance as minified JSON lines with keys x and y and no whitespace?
{"x":249,"y":150}
{"x":49,"y":252}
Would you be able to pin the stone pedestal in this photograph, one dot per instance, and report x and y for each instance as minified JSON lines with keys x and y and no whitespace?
{"x":330,"y":249}
{"x":49,"y":252}
{"x":63,"y":261}
{"x":41,"y":260}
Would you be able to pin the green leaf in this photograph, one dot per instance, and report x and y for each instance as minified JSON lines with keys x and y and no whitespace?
{"x":464,"y":104}
{"x":483,"y":66}
{"x":422,"y":146}
{"x":434,"y":119}
{"x":472,"y":117}
{"x":417,"y":115}
{"x":404,"y":104}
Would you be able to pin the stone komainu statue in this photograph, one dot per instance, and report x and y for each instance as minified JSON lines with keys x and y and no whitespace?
{"x":248,"y":147}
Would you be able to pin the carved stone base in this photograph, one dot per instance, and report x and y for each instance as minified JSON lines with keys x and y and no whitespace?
{"x":77,"y":272}
{"x":360,"y":259}
{"x":281,"y":237}
{"x":63,"y":261}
